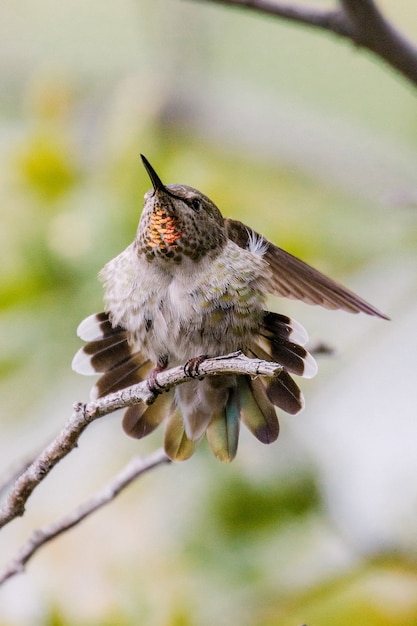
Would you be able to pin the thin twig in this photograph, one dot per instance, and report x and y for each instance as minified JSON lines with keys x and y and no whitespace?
{"x":13,"y":473}
{"x":14,"y":505}
{"x":41,"y":536}
{"x":361,"y":21}
{"x":328,"y":19}
{"x":84,"y":414}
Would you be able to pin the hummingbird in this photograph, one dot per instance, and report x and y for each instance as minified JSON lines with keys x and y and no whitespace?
{"x":194,"y":284}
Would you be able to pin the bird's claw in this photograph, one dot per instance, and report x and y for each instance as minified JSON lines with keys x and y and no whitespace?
{"x":191,"y":368}
{"x":154,"y":387}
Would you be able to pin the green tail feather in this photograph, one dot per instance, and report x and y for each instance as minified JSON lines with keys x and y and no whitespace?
{"x":177,"y":445}
{"x":223,"y":431}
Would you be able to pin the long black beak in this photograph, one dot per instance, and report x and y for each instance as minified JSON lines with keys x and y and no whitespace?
{"x":157,"y":183}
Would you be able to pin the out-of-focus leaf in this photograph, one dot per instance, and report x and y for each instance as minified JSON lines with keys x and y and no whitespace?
{"x":45,"y":167}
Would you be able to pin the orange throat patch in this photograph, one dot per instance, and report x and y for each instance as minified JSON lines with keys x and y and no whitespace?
{"x":163,"y":230}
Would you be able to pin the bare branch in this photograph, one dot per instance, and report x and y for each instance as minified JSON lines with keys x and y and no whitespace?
{"x":372,"y":31}
{"x":327,"y":19}
{"x":361,"y":21}
{"x":40,"y":537}
{"x":14,"y":505}
{"x":84,"y":414}
{"x":9,"y":478}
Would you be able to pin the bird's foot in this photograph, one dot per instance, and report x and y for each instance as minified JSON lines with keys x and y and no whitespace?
{"x":191,"y":368}
{"x":154,"y":387}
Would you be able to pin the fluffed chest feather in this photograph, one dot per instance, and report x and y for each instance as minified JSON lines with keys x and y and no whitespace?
{"x":209,"y":307}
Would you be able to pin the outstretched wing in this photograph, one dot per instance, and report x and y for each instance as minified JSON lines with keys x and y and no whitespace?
{"x":293,"y":278}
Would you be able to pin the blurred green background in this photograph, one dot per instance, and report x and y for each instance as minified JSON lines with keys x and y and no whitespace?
{"x":314,"y":143}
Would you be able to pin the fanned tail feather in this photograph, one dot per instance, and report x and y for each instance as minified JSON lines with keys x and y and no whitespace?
{"x":133,"y":371}
{"x":108,"y":352}
{"x":97,"y":326}
{"x":223,"y":431}
{"x":284,"y":327}
{"x":257,"y":412}
{"x":280,"y":339}
{"x":213,"y":406}
{"x":201,"y":401}
{"x":284,"y":393}
{"x":176,"y":443}
{"x":283,"y":339}
{"x":140,"y":419}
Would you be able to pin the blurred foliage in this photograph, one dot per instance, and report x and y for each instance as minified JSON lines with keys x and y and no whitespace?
{"x":241,"y":508}
{"x":381,"y":592}
{"x":44,"y":167}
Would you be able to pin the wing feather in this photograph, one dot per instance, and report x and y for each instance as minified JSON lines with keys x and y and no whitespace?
{"x":292,"y":278}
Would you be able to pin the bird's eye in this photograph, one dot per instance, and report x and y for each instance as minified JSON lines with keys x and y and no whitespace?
{"x":195,"y":204}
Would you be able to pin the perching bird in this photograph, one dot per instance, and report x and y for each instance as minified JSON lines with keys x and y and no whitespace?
{"x":193,"y":283}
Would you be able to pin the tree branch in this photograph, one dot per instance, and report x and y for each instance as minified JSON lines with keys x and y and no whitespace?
{"x":361,"y":21}
{"x":372,"y":31}
{"x":332,"y":20}
{"x":40,"y":537}
{"x":13,"y":474}
{"x":84,"y":414}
